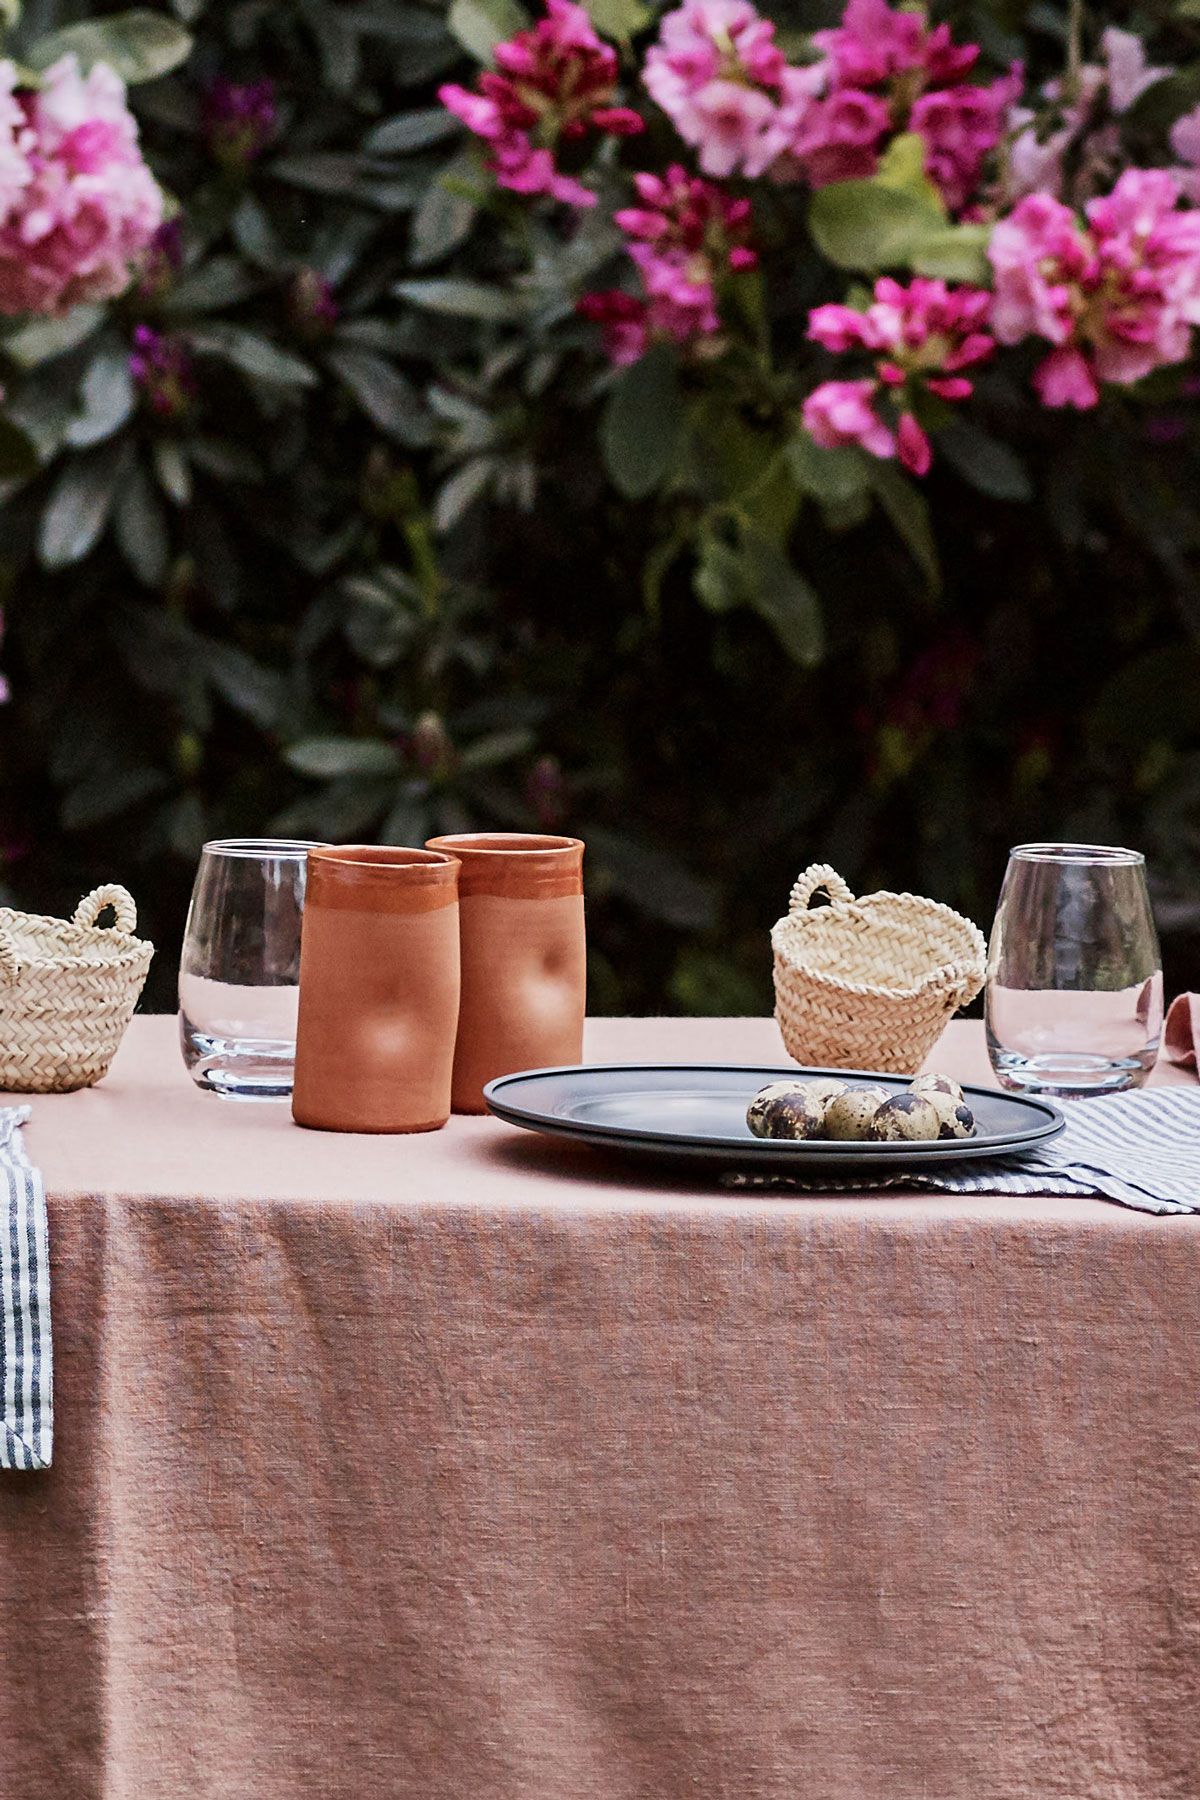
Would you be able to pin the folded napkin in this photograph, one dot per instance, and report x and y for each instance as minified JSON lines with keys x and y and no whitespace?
{"x":26,"y":1358}
{"x":1140,"y":1149}
{"x":1181,"y":1034}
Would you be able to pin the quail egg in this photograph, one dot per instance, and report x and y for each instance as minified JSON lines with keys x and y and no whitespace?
{"x":848,"y":1119}
{"x":956,"y":1120}
{"x":937,"y":1084}
{"x":906,"y":1118}
{"x":787,"y":1109}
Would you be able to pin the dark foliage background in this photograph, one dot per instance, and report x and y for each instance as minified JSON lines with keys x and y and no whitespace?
{"x":372,"y":581}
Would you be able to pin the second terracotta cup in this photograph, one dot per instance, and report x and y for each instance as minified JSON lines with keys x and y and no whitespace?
{"x":379,"y":986}
{"x":524,"y":961}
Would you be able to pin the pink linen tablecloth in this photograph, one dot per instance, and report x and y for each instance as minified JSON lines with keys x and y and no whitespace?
{"x":474,"y":1467}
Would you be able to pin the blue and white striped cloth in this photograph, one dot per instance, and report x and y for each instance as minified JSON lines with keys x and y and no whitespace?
{"x":26,"y":1357}
{"x":1140,"y":1149}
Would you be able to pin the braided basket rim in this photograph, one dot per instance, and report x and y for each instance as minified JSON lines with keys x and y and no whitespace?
{"x":127,"y":948}
{"x":971,"y":963}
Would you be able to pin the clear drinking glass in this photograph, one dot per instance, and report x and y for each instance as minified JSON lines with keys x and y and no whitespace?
{"x":240,"y":969}
{"x":1074,"y":983}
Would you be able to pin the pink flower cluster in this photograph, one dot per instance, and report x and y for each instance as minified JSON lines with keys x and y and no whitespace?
{"x":719,"y":75}
{"x":920,"y":336}
{"x":1116,"y":296}
{"x":556,"y":83}
{"x":686,"y":235}
{"x":78,"y":206}
{"x":724,"y":83}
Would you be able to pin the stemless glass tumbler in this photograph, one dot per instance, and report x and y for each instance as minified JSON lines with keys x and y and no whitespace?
{"x":240,"y":966}
{"x":1074,"y":983}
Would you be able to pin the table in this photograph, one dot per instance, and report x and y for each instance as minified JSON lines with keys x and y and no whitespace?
{"x":469,"y":1468}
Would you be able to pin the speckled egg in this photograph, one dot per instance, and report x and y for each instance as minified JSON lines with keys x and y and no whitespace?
{"x":906,"y":1118}
{"x":956,"y":1120}
{"x":787,"y":1109}
{"x":826,"y":1088}
{"x":937,"y":1084}
{"x":848,"y":1120}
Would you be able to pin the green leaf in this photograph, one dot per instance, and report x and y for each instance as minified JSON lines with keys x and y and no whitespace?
{"x":463,"y":299}
{"x":786,"y":600}
{"x":210,"y":287}
{"x":445,"y":216}
{"x":170,"y":466}
{"x":827,"y":475}
{"x":253,"y":355}
{"x":902,"y":166}
{"x":386,"y":396}
{"x":80,"y":503}
{"x":497,"y":747}
{"x":141,"y":529}
{"x":412,"y":131}
{"x":18,"y":453}
{"x":908,"y":510}
{"x":642,"y":427}
{"x":244,"y":684}
{"x":479,"y":25}
{"x":719,"y":582}
{"x":457,"y":495}
{"x":107,"y":794}
{"x":139,"y":45}
{"x":328,"y":758}
{"x":865,"y":225}
{"x":43,"y":339}
{"x":984,"y":461}
{"x":106,"y":397}
{"x":954,"y":253}
{"x":620,"y":19}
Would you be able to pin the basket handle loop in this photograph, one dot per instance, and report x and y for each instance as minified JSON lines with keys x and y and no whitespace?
{"x":814,"y":878}
{"x":959,"y":981}
{"x":10,"y":964}
{"x":114,"y":895}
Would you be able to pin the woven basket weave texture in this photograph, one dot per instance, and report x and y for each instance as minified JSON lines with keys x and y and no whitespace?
{"x":870,"y":983}
{"x":67,"y":992}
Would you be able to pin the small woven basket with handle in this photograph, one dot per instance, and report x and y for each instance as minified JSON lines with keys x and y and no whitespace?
{"x":67,"y":992}
{"x":870,"y":983}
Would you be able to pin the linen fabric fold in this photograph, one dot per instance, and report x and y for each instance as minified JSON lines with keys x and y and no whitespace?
{"x":1141,"y":1150}
{"x":1181,"y":1032}
{"x":26,"y":1353}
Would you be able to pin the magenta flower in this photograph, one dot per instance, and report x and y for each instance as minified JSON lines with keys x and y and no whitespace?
{"x":1116,"y":296}
{"x":887,"y":71}
{"x":556,"y":83}
{"x":162,"y":367}
{"x":873,"y":45}
{"x":841,"y":413}
{"x":719,"y":76}
{"x":86,"y":207}
{"x":920,"y":336}
{"x":686,"y":237}
{"x":960,"y":127}
{"x":238,"y":120}
{"x":839,"y":138}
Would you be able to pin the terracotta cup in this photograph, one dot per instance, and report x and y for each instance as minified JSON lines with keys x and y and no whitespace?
{"x":524,"y":963}
{"x":379,"y":985}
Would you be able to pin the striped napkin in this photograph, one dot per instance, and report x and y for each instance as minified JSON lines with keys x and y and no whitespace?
{"x":1140,"y":1149}
{"x":26,"y":1357}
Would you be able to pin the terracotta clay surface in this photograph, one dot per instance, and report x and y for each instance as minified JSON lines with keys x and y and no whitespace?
{"x":379,"y":989}
{"x":524,"y":963}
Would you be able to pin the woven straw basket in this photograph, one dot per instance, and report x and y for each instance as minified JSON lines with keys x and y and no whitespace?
{"x":870,"y":983}
{"x":67,"y":992}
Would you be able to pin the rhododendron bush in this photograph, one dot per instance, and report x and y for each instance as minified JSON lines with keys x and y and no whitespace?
{"x":741,"y":437}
